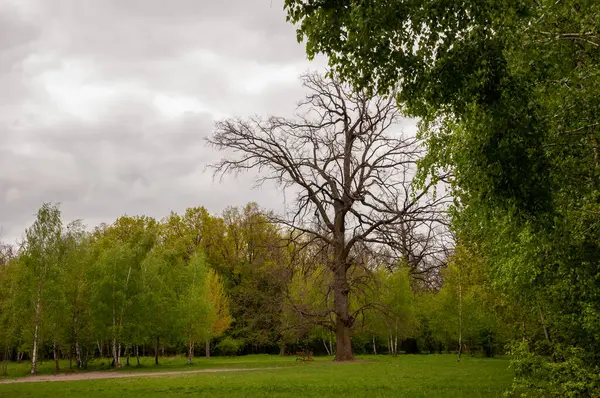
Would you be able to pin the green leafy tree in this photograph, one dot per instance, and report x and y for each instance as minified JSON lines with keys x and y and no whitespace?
{"x":508,"y":96}
{"x":42,"y":255}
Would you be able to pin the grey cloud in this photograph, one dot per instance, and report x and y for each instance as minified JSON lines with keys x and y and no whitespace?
{"x":79,"y":119}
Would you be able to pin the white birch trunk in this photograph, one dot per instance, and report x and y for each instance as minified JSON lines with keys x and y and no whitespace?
{"x":326,"y":348}
{"x":34,"y":354}
{"x":459,"y":321}
{"x":190,"y":352}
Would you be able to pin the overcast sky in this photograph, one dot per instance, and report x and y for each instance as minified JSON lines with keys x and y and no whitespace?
{"x":104,"y":104}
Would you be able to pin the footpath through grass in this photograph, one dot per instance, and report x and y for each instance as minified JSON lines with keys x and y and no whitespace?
{"x":406,"y":376}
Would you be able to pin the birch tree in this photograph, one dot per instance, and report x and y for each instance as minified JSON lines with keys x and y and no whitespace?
{"x":41,"y":260}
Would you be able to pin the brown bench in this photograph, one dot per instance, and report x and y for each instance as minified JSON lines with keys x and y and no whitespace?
{"x":304,"y":356}
{"x":65,"y":371}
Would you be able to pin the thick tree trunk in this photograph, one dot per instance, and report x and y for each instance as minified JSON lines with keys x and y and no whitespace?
{"x":36,"y":329}
{"x":207,"y":348}
{"x":156,"y":351}
{"x":282,"y":348}
{"x":342,"y":316}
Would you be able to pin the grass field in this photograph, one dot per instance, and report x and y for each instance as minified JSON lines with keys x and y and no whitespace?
{"x":405,"y":376}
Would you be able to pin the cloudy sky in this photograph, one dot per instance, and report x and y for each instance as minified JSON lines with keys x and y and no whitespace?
{"x":104,"y":104}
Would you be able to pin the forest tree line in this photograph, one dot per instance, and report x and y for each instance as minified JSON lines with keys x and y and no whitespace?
{"x":140,"y":286}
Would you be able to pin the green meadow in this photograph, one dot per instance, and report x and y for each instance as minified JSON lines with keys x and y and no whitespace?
{"x":369,"y":376}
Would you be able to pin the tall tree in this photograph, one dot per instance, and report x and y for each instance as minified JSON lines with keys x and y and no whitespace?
{"x":42,"y":255}
{"x":351,"y":172}
{"x":508,"y":93}
{"x":219,"y":316}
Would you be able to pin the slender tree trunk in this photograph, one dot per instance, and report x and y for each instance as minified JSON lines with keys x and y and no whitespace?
{"x":4,"y":361}
{"x":343,"y":322}
{"x":207,"y":348}
{"x":190,"y":355}
{"x":114,"y":352}
{"x":57,"y":366}
{"x":326,"y":348}
{"x":119,"y":355}
{"x":156,"y":351}
{"x":86,"y":358}
{"x":546,"y":333}
{"x":78,"y":355}
{"x":137,"y":354}
{"x":127,"y":351}
{"x":396,"y":339}
{"x":374,"y":346}
{"x":330,"y":344}
{"x":36,"y":329}
{"x":459,"y":321}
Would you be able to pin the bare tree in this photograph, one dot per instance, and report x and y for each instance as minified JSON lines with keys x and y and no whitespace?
{"x":352,"y":172}
{"x":7,"y":252}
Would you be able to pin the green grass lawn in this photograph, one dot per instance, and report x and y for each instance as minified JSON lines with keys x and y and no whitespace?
{"x":404,"y":376}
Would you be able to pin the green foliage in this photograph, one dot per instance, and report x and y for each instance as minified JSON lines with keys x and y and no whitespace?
{"x":228,"y":346}
{"x":569,"y":374}
{"x":508,"y":95}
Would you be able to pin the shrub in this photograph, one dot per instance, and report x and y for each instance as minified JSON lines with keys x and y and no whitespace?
{"x":228,"y":346}
{"x":567,"y":374}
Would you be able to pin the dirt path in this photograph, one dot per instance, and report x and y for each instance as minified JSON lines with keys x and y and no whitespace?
{"x":115,"y":375}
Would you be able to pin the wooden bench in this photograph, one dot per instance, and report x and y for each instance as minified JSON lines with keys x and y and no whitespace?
{"x":65,"y":371}
{"x":304,"y":356}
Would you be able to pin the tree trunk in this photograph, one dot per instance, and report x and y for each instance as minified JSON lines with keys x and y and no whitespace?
{"x":4,"y":361}
{"x":374,"y":346}
{"x":343,"y":322}
{"x":137,"y":354}
{"x":38,"y":311}
{"x":282,"y":348}
{"x":546,"y":333}
{"x":326,"y":348}
{"x":78,"y":355}
{"x":57,"y":366}
{"x":396,"y":340}
{"x":459,"y":322}
{"x":156,"y":351}
{"x":114,"y":352}
{"x":330,"y":345}
{"x":85,"y":358}
{"x":207,"y":348}
{"x":190,"y":355}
